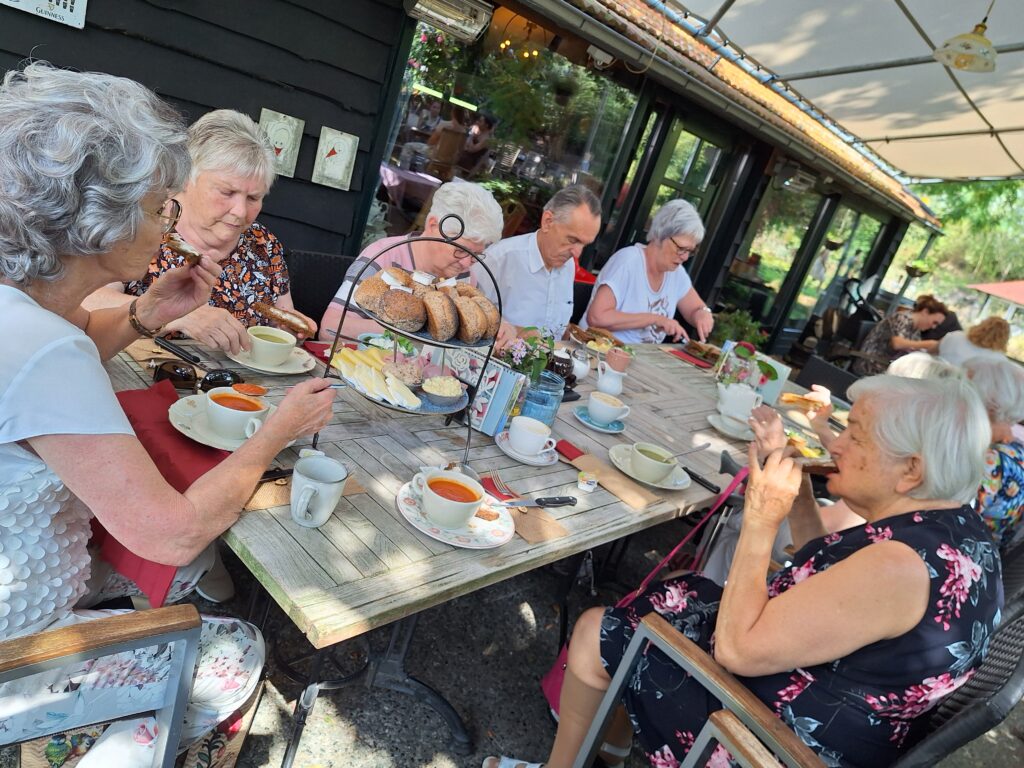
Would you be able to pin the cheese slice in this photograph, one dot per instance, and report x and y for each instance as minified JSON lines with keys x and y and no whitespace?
{"x":401,"y":395}
{"x":364,"y":378}
{"x":379,"y":387}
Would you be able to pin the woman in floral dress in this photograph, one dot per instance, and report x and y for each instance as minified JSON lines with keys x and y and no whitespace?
{"x":868,"y":629}
{"x":900,"y":333}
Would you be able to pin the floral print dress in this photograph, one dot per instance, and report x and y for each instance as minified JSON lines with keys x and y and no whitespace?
{"x":1001,"y":495}
{"x":859,"y":710}
{"x":878,"y":343}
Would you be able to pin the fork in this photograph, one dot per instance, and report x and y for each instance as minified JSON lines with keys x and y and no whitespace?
{"x":501,"y":486}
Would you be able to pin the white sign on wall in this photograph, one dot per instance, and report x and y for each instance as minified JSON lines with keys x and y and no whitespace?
{"x":70,"y":12}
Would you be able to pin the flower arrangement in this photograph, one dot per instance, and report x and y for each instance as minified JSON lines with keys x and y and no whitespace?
{"x":529,"y":353}
{"x":742,"y":366}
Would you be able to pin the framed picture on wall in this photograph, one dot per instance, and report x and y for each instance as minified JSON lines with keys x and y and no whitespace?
{"x":335,"y":158}
{"x":285,"y":133}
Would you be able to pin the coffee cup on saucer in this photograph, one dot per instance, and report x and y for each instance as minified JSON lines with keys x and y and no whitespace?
{"x":529,"y":437}
{"x":233,"y":415}
{"x":735,"y":402}
{"x":271,"y":347}
{"x":318,"y":482}
{"x":448,"y":499}
{"x":604,"y":408}
{"x":651,"y":463}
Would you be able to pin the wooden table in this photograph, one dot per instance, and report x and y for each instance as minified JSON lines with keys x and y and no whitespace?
{"x":366,"y":567}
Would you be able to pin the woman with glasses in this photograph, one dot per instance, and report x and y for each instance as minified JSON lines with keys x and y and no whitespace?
{"x":232,"y":171}
{"x":640,"y":289}
{"x":87,"y":162}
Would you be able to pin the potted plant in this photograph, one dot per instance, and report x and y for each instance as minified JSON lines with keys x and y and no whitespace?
{"x":529,"y":353}
{"x":737,"y":326}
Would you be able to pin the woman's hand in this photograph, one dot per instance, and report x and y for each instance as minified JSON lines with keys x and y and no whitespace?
{"x":214,"y":328}
{"x":768,"y":432}
{"x":178,"y":292}
{"x":771,"y":489}
{"x":703,"y":322}
{"x":507,"y":333}
{"x":819,"y":416}
{"x":307,"y":408}
{"x":670,"y":327}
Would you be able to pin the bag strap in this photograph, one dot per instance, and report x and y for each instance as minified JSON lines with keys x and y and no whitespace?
{"x":736,"y":482}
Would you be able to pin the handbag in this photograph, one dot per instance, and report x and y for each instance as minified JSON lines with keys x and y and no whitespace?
{"x":551,"y":683}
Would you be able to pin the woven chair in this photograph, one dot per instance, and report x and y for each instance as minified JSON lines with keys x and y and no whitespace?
{"x":177,"y":624}
{"x":315,"y":277}
{"x":819,"y":371}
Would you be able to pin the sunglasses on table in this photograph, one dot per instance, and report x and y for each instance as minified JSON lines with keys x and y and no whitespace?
{"x":184,"y":375}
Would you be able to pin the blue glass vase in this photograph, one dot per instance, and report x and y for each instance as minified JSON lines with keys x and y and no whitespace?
{"x":543,"y":398}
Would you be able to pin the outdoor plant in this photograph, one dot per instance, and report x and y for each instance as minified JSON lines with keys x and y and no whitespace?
{"x":742,"y":366}
{"x":737,"y":325}
{"x":530,"y":353}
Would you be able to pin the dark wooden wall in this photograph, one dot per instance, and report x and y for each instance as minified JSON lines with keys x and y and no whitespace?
{"x":328,"y":62}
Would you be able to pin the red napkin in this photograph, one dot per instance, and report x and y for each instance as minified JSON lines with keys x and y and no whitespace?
{"x":179,"y":460}
{"x":567,"y":449}
{"x":321,"y":349}
{"x":685,"y":356}
{"x":492,"y":489}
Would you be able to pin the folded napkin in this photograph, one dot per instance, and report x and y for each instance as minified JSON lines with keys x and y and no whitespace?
{"x":687,"y":357}
{"x":179,"y":460}
{"x":534,"y":524}
{"x":613,"y":481}
{"x":278,"y":493}
{"x":321,"y":349}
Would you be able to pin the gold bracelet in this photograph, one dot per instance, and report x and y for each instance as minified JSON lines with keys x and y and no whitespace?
{"x":139,"y":328}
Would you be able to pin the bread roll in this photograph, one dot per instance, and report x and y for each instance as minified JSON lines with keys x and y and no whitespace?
{"x":449,"y":291}
{"x":442,"y":317}
{"x":472,"y":321}
{"x":403,"y":310}
{"x":421,"y":290}
{"x":369,"y":293}
{"x":491,"y":314}
{"x":396,"y":277}
{"x":465,"y":289}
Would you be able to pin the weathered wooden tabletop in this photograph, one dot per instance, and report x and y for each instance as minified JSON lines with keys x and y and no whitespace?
{"x":367,"y":567}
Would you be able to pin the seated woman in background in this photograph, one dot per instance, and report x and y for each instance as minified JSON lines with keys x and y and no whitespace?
{"x":988,"y":338}
{"x":640,"y":289}
{"x":67,"y":451}
{"x":1001,"y":495}
{"x":232,"y":171}
{"x":854,"y":640}
{"x":898,"y":334}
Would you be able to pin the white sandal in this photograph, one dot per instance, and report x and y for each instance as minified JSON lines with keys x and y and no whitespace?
{"x":510,"y":762}
{"x":611,"y":749}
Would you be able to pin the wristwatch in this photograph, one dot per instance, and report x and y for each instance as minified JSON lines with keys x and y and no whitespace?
{"x":139,"y":328}
{"x":705,"y":308}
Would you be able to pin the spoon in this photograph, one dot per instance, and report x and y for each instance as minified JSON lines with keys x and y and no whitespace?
{"x":692,"y":450}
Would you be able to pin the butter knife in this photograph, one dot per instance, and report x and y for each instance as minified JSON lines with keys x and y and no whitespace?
{"x":543,"y":501}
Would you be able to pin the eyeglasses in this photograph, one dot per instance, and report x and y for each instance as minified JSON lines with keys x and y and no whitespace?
{"x":459,"y":254}
{"x":185,"y":376}
{"x":682,"y":250}
{"x":168,"y":214}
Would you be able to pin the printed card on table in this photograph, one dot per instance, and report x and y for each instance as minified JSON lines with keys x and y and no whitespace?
{"x":499,"y":387}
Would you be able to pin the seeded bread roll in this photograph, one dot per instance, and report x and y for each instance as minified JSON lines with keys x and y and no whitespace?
{"x":369,"y":293}
{"x":442,"y":317}
{"x":465,"y":289}
{"x":403,"y":310}
{"x":449,"y":291}
{"x":396,"y":276}
{"x":472,"y":321}
{"x":490,"y":313}
{"x":421,"y":290}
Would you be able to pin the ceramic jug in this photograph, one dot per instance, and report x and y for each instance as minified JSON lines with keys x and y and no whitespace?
{"x":609,"y":380}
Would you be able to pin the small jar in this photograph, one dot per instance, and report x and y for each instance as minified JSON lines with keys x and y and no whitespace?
{"x":543,"y":398}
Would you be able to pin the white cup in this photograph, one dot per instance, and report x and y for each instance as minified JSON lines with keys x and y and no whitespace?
{"x":736,"y":401}
{"x":233,"y":423}
{"x":317,"y":485}
{"x":270,"y":346}
{"x":441,"y":510}
{"x":604,"y":409}
{"x":529,"y":437}
{"x":651,"y":470}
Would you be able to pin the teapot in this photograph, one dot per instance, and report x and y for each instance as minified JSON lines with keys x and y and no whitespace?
{"x":736,"y":401}
{"x":609,"y":380}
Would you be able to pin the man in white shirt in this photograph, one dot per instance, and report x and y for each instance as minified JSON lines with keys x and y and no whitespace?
{"x":534,"y":272}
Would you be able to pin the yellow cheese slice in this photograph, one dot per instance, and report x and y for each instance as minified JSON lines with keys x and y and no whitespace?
{"x":401,"y":395}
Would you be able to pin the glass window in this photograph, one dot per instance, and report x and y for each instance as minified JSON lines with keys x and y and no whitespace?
{"x":913,"y":243}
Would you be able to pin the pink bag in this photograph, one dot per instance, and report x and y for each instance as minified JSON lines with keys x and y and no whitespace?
{"x":551,"y":683}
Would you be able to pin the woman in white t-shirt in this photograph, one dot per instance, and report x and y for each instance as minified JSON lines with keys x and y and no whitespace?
{"x":88,"y":165}
{"x":640,"y":289}
{"x":988,"y":338}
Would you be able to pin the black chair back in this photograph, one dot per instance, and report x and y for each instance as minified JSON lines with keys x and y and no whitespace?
{"x":581,"y":293}
{"x":315,"y":277}
{"x":819,"y":371}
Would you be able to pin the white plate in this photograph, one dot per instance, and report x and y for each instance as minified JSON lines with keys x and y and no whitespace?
{"x":542,"y":459}
{"x":582,"y":413}
{"x":730,"y":428}
{"x":476,"y":534}
{"x":621,"y":456}
{"x":188,"y":416}
{"x":300,"y":361}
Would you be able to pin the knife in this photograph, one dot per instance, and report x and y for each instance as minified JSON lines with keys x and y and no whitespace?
{"x":543,"y":501}
{"x":700,"y":480}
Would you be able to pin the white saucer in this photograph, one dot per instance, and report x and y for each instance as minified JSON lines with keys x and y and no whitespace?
{"x":582,"y":413}
{"x":300,"y":361}
{"x":620,"y":455}
{"x":730,"y":428}
{"x":188,"y":416}
{"x":476,"y":534}
{"x":542,"y":459}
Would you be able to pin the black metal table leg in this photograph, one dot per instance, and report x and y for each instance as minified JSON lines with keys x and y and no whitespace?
{"x":303,"y":706}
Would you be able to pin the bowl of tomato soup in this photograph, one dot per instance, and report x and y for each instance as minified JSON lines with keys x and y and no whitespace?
{"x":234,"y":415}
{"x":448,"y":499}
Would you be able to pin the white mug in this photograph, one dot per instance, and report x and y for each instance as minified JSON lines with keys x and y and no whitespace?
{"x":232,"y":423}
{"x":529,"y":437}
{"x":736,"y":401}
{"x":648,"y":469}
{"x":270,"y":346}
{"x":318,"y":483}
{"x":441,"y":510}
{"x":604,"y":408}
{"x":609,"y":380}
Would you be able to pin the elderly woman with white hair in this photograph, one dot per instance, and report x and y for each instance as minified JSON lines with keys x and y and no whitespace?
{"x":232,"y":172}
{"x":1001,"y":495}
{"x":865,"y":631}
{"x":640,"y":289}
{"x":88,"y":163}
{"x":482,"y":223}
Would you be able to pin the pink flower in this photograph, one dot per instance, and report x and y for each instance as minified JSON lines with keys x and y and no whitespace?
{"x":799,"y":681}
{"x":720,"y":758}
{"x":917,"y":517}
{"x":832,"y":538}
{"x":878,"y":534}
{"x":915,"y":701}
{"x":686,"y":739}
{"x":423,"y":37}
{"x":961,"y":574}
{"x":673,"y":598}
{"x":663,"y":758}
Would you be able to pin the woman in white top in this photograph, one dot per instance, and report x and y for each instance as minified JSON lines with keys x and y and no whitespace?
{"x":986,"y":339}
{"x":641,"y":287}
{"x":88,"y":165}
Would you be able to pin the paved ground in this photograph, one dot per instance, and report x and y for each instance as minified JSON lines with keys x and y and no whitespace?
{"x":485,"y":652}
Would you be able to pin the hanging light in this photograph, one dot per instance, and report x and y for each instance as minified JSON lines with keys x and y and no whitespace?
{"x":971,"y":51}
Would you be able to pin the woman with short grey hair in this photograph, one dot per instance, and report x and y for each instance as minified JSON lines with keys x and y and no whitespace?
{"x":1000,"y":383}
{"x":642,"y":286}
{"x":232,"y":171}
{"x":88,"y":166}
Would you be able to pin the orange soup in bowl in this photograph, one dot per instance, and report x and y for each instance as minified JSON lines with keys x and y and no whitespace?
{"x":236,"y":402}
{"x":453,"y":491}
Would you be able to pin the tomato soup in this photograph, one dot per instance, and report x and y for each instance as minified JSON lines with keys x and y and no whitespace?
{"x":453,"y":491}
{"x":235,"y":402}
